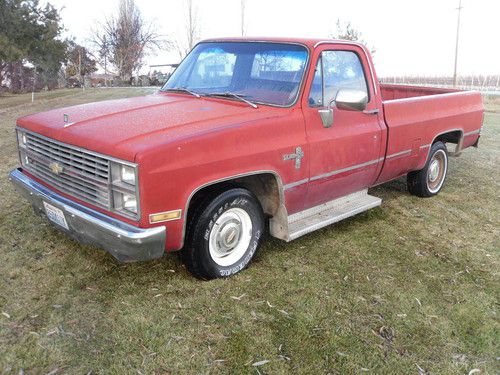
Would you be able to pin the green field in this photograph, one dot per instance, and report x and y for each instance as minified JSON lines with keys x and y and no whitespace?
{"x":411,"y":287}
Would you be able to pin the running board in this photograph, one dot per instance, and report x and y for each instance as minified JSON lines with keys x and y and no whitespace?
{"x":328,"y":213}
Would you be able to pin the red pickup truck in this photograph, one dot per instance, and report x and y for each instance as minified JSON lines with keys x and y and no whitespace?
{"x":247,"y":135}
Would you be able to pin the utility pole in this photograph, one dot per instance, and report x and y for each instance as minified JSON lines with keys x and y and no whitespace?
{"x":34,"y":85}
{"x":455,"y":77}
{"x":105,"y":46}
{"x":242,"y":17}
{"x":80,"y":68}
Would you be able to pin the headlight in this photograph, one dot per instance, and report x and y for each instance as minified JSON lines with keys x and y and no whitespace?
{"x":125,"y":201}
{"x":124,"y":188}
{"x":123,"y":173}
{"x":130,"y":203}
{"x":24,"y":159}
{"x":21,"y":139}
{"x":21,"y":142}
{"x":127,"y":174}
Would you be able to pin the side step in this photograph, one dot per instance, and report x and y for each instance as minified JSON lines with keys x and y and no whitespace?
{"x":328,"y":213}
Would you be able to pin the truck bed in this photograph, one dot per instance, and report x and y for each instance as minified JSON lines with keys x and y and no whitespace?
{"x":392,"y":92}
{"x":416,"y":116}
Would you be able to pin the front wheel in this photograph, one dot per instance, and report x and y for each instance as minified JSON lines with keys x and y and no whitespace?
{"x":429,"y":181}
{"x":224,"y":234}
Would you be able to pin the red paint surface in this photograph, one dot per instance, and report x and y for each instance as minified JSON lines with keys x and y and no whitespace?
{"x":182,"y":143}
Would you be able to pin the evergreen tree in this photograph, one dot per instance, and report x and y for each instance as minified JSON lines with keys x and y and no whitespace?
{"x":30,"y":34}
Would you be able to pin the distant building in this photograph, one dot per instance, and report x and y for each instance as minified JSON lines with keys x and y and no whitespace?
{"x":100,"y":79}
{"x":159,"y":74}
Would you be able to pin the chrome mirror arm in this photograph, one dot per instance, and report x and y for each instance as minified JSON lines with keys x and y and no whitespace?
{"x":326,"y":114}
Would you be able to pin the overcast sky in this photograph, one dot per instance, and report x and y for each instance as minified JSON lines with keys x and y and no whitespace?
{"x":410,"y":37}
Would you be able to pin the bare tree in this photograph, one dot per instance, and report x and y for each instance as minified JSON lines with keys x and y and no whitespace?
{"x":192,"y":30}
{"x":103,"y":52}
{"x":125,"y":39}
{"x":80,"y":63}
{"x":346,"y":31}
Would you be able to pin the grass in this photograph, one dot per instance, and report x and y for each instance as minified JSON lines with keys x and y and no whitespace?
{"x":407,"y":288}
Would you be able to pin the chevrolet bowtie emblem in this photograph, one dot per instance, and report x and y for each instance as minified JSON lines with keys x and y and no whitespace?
{"x":56,"y":168}
{"x":298,"y":155}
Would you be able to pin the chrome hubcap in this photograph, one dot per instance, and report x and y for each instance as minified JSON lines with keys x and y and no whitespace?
{"x":230,"y":236}
{"x":436,"y":172}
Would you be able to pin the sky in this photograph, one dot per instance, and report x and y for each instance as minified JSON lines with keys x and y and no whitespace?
{"x":410,"y":37}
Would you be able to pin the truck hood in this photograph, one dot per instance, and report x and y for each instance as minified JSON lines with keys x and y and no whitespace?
{"x":123,"y":128}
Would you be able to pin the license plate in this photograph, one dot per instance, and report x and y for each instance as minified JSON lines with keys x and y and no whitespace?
{"x":55,"y":215}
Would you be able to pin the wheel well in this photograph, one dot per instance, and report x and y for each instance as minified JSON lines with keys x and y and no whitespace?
{"x":455,"y":136}
{"x":266,"y":187}
{"x":450,"y":137}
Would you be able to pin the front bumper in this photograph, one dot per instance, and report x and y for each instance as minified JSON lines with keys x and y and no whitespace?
{"x":125,"y":242}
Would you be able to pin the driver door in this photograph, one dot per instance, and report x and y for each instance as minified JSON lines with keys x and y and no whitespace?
{"x":345,"y":157}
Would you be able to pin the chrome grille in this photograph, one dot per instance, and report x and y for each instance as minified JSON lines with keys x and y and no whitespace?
{"x":83,"y":175}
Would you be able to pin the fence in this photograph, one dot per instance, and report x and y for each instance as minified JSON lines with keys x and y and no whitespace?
{"x":483,"y":83}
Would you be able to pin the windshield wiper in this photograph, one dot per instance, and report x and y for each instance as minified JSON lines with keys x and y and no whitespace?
{"x":183,"y":89}
{"x":232,"y":95}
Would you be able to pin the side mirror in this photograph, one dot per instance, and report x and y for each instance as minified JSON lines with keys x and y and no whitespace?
{"x":346,"y":100}
{"x":351,"y":100}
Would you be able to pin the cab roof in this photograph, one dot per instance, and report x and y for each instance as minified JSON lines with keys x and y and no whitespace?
{"x":311,"y":43}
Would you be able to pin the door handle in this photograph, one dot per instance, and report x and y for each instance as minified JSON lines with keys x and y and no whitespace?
{"x":371,"y":111}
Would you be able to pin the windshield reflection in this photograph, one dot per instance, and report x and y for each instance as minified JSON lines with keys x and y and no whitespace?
{"x":268,"y":73}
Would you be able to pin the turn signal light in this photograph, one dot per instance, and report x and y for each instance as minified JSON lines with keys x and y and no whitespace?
{"x":165,"y":216}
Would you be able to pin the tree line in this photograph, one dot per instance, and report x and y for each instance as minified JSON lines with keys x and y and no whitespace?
{"x":34,"y":55}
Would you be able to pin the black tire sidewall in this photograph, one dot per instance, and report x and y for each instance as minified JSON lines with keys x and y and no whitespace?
{"x":234,"y":198}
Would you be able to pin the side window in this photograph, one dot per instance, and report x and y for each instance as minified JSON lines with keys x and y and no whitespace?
{"x":316,"y":94}
{"x":336,"y":70}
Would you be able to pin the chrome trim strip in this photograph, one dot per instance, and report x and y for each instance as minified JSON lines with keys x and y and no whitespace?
{"x":124,"y":241}
{"x":332,"y":173}
{"x":295,"y":184}
{"x":347,"y":169}
{"x":425,"y":146}
{"x":397,"y":154}
{"x":478,"y":131}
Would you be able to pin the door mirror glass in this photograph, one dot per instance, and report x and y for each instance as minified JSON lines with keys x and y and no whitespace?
{"x":351,"y":100}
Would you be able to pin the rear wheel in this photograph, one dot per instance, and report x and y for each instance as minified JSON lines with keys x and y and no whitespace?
{"x":224,"y":234}
{"x":429,"y":181}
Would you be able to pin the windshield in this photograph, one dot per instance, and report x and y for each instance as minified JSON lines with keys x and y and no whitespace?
{"x":268,"y":73}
